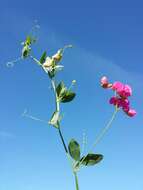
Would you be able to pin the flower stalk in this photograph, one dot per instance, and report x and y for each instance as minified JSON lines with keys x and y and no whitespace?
{"x":106,"y":128}
{"x":102,"y":133}
{"x":57,"y":103}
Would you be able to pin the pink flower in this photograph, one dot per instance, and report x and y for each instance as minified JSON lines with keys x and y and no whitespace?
{"x":117,"y":86}
{"x":120,"y":102}
{"x":113,"y":100}
{"x":127,"y":90}
{"x":124,"y":103}
{"x":131,"y":112}
{"x":122,"y":90}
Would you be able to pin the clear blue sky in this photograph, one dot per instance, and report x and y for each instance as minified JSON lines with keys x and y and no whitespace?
{"x":108,"y":40}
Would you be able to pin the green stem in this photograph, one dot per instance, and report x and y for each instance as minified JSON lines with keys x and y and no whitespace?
{"x":36,"y":60}
{"x":56,"y":96}
{"x":58,"y":109}
{"x":61,"y":135}
{"x":106,"y":128}
{"x":101,"y":135}
{"x":76,"y":181}
{"x":63,"y":141}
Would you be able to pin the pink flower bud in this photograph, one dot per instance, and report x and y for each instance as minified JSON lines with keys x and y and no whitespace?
{"x":131,"y":112}
{"x":104,"y":82}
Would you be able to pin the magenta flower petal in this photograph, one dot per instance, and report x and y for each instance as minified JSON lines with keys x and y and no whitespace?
{"x":127,"y":90}
{"x":113,"y":100}
{"x":117,"y":86}
{"x":123,"y":91}
{"x":125,"y":103}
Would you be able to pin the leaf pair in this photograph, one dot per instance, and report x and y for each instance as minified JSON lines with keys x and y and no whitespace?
{"x":64,"y":95}
{"x":74,"y":150}
{"x":91,"y":159}
{"x":88,"y":160}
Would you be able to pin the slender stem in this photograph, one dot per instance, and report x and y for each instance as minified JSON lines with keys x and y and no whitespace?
{"x":105,"y":129}
{"x":69,"y":158}
{"x":76,"y":181}
{"x":36,"y":60}
{"x":58,"y":109}
{"x":61,"y":135}
{"x":101,"y":135}
{"x":63,"y":142}
{"x":56,"y":97}
{"x":66,"y":150}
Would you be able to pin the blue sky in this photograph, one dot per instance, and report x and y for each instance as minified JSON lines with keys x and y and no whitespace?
{"x":108,"y":40}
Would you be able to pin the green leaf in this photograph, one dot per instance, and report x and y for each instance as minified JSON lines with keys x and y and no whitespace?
{"x":26,"y":51}
{"x":68,"y":97}
{"x":55,"y":119}
{"x":28,"y":40}
{"x":74,"y":150}
{"x":61,"y":89}
{"x":91,"y":159}
{"x":43,"y":57}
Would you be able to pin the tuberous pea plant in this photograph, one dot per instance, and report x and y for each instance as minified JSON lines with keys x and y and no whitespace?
{"x":51,"y":65}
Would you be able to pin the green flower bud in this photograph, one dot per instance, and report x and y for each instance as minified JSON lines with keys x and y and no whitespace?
{"x":58,"y":56}
{"x":74,"y":81}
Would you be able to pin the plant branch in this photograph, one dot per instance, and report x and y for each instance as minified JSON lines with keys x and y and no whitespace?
{"x":57,"y":104}
{"x":61,"y":135}
{"x":36,"y":60}
{"x":56,"y":96}
{"x":76,"y":181}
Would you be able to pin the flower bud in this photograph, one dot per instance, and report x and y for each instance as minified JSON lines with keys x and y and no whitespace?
{"x":58,"y":56}
{"x":104,"y":82}
{"x":26,"y":51}
{"x":131,"y":112}
{"x":74,"y":81}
